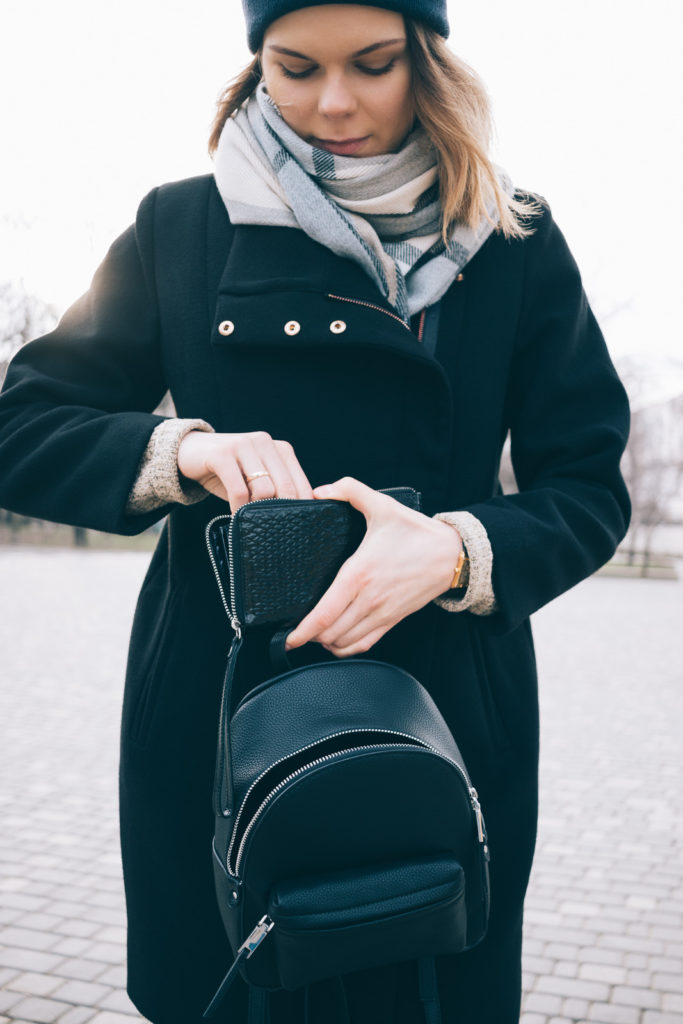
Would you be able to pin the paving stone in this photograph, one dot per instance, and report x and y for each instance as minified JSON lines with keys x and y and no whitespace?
{"x":77,"y":928}
{"x":78,"y":1015}
{"x":666,"y":964}
{"x":27,"y":959}
{"x":8,"y":999}
{"x":83,"y":970}
{"x":636,"y":960}
{"x":64,"y":908}
{"x":110,"y":952}
{"x":608,"y":973}
{"x":639,"y":979}
{"x":565,"y":968}
{"x":44,"y":1011}
{"x":34,"y":984}
{"x":561,"y":951}
{"x":27,"y":938}
{"x":591,"y":990}
{"x":533,"y":1018}
{"x":668,"y":982}
{"x":111,"y":933}
{"x":110,"y":1017}
{"x":672,"y":1002}
{"x":575,"y":1008}
{"x":8,"y":915}
{"x":608,"y":1013}
{"x":641,"y":997}
{"x":114,"y":976}
{"x":87,"y":993}
{"x":7,"y":974}
{"x":43,"y":922}
{"x":119,"y":1002}
{"x":657,"y":1017}
{"x":542,"y":1002}
{"x":591,"y":954}
{"x":72,"y":946}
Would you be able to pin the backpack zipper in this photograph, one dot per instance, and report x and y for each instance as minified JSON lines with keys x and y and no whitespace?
{"x":473,"y":795}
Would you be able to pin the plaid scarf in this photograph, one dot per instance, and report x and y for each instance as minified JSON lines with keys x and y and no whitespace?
{"x":381,"y":211}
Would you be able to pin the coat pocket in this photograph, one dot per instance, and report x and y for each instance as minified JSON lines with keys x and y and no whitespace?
{"x":149,"y":690}
{"x":491,"y":708}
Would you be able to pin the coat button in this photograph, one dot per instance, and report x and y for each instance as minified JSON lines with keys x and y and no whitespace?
{"x":460,"y":277}
{"x":226,"y":327}
{"x":337,"y":326}
{"x":292,"y":327}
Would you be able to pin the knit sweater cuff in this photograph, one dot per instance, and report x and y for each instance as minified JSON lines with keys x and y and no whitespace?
{"x":479,"y":597}
{"x":158,"y":479}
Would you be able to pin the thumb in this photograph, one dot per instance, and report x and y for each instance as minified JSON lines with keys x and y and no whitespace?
{"x":349,"y":489}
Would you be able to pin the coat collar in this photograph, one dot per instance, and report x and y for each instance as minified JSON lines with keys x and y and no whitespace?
{"x":298,"y":273}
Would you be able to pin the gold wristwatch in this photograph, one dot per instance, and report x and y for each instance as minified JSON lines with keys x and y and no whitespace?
{"x":461,"y":576}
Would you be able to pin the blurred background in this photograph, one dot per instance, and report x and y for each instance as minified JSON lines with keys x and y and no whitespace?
{"x":101,"y":102}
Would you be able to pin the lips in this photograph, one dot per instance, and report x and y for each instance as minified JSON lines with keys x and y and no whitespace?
{"x":343,"y":147}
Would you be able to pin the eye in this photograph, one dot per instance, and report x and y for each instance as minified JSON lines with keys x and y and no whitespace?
{"x":377,"y":71}
{"x":296,"y":74}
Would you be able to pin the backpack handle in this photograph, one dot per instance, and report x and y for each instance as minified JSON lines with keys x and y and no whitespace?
{"x":279,"y":658}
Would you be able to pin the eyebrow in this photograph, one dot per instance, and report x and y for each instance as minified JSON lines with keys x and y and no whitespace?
{"x":358,"y":53}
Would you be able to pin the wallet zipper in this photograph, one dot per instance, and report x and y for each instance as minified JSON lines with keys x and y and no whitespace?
{"x":473,"y":795}
{"x":230,"y":605}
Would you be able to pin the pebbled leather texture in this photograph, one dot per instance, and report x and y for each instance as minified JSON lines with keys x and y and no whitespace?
{"x":287,"y":552}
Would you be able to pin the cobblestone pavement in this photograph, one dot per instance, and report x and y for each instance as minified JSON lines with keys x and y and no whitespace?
{"x":604,"y":913}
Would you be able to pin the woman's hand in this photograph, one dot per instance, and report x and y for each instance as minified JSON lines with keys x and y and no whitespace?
{"x":404,"y":560}
{"x":221,"y":463}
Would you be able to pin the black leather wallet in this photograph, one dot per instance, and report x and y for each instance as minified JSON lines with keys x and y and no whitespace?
{"x":274,"y":558}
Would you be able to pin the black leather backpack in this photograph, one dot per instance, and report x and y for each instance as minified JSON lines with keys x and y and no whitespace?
{"x":348,"y":833}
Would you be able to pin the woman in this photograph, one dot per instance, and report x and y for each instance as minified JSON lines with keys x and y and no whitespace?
{"x":359,"y":299}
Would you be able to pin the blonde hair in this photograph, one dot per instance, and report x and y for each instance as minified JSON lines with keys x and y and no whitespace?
{"x":453,"y":106}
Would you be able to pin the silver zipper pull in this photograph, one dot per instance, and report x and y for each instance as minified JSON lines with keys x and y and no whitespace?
{"x":256,"y":937}
{"x":478,"y":814}
{"x":252,"y":941}
{"x":237,"y":626}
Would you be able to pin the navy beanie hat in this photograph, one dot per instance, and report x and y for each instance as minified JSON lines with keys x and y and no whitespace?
{"x":260,"y":13}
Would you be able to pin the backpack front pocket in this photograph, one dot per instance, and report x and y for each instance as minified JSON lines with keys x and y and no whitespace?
{"x":345,"y":921}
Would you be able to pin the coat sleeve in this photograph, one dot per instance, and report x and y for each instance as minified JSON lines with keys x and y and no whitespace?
{"x":75,"y":406}
{"x":569,"y":420}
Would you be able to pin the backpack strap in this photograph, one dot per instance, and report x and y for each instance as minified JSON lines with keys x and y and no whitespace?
{"x":429,"y":989}
{"x":258,"y":1006}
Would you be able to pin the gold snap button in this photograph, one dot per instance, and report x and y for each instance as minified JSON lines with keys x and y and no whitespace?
{"x":226,"y":327}
{"x":460,"y":277}
{"x":292,"y":327}
{"x":337,"y":326}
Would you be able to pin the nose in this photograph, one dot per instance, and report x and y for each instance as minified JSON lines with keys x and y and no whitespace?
{"x":336,"y":99}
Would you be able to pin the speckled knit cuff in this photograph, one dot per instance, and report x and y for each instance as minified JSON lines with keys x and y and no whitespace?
{"x":479,"y":597}
{"x":158,"y":479}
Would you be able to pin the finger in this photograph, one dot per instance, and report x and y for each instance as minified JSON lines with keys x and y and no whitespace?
{"x":250,"y":460}
{"x":299,"y":478}
{"x":322,"y":617}
{"x":357,"y":619}
{"x":362,"y":645}
{"x":272,"y":455}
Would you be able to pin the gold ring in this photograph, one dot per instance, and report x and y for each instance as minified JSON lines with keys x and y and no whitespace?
{"x":252,"y":476}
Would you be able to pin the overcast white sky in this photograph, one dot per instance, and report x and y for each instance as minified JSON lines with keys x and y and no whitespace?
{"x":102,"y":101}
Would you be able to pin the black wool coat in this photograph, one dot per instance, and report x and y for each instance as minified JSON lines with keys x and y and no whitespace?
{"x":518,"y":349}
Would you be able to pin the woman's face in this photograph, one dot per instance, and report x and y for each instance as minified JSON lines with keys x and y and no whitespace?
{"x":340,"y":75}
